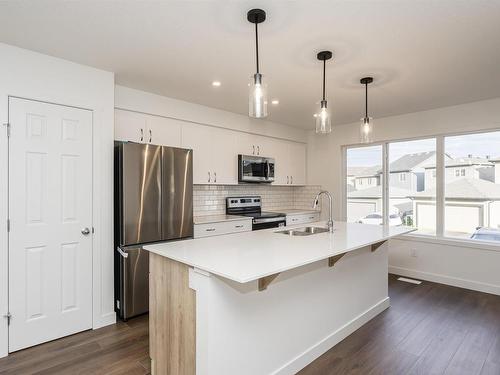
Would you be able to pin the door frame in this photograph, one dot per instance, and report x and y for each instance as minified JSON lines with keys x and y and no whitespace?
{"x":97,"y":224}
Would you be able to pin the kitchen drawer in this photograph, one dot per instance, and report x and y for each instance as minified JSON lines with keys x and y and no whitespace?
{"x":223,"y":227}
{"x":302,"y":218}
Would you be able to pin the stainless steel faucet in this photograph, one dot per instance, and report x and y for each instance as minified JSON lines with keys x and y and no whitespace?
{"x":330,"y":208}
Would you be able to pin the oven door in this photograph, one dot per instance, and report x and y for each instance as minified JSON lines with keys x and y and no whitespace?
{"x":267,"y":223}
{"x":255,"y":169}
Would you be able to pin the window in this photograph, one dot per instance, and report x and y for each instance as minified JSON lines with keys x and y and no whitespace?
{"x":364,"y":202}
{"x":412,"y":203}
{"x":461,"y":200}
{"x":472,"y":203}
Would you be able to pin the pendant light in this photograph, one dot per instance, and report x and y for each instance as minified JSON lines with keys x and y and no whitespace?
{"x":366,"y":128}
{"x":257,"y":96}
{"x":323,"y":119}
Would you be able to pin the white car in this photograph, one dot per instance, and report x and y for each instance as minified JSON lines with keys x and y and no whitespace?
{"x":376,"y":218}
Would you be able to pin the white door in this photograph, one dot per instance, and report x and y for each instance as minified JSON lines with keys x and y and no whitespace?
{"x":50,"y":207}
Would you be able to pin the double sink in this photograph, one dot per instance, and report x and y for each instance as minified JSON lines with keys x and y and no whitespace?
{"x":304,"y":231}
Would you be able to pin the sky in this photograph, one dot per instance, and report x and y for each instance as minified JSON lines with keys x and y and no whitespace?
{"x":481,"y":145}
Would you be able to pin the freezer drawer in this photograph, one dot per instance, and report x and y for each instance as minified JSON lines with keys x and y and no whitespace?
{"x":134,"y":285}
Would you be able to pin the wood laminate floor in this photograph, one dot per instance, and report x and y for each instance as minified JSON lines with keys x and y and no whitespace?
{"x":429,"y":329}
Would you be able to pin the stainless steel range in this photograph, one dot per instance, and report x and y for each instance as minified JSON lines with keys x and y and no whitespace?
{"x":252,"y":206}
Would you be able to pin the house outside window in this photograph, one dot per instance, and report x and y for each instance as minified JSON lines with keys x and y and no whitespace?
{"x":469,"y":209}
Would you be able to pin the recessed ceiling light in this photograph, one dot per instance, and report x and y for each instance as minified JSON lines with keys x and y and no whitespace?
{"x":315,"y":115}
{"x":275,"y":102}
{"x":216,"y":83}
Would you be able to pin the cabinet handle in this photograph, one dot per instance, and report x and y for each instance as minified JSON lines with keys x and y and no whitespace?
{"x":258,"y":150}
{"x":215,"y":176}
{"x":295,"y":219}
{"x":287,"y":179}
{"x":291,"y":179}
{"x":253,"y":152}
{"x":238,"y":226}
{"x":208,"y":176}
{"x":210,"y":230}
{"x":142,"y":134}
{"x":311,"y":217}
{"x":150,"y":135}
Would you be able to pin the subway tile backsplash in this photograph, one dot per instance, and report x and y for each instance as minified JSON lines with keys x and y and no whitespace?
{"x":211,"y":199}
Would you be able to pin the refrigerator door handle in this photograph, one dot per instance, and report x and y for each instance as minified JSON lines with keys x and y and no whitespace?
{"x":122,"y":253}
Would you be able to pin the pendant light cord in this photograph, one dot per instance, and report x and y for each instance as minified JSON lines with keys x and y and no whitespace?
{"x":366,"y":100}
{"x":256,"y":45}
{"x":324,"y":78}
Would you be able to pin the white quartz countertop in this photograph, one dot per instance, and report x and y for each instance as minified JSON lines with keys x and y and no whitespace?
{"x":218,"y":218}
{"x":248,"y":256}
{"x":296,"y":211}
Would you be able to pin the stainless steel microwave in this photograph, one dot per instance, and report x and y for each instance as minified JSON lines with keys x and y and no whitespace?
{"x":255,"y":169}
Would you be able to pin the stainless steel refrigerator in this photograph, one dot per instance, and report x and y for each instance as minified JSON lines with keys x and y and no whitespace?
{"x":153,"y":203}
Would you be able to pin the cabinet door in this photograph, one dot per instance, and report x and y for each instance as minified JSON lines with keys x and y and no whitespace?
{"x":246,"y":144}
{"x":224,"y":156}
{"x":130,"y":126}
{"x":199,"y":138}
{"x":163,"y":131}
{"x":279,"y":151}
{"x":297,"y":156}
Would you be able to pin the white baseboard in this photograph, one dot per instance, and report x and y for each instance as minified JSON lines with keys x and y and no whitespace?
{"x":332,"y":339}
{"x":448,"y":280}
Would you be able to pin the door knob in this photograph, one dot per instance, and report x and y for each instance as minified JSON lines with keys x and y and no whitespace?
{"x":85,"y":231}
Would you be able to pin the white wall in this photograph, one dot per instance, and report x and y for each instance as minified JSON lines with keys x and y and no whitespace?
{"x":462,"y":118}
{"x":141,"y":101}
{"x":35,"y":76}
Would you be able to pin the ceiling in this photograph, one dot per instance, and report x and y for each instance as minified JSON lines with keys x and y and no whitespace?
{"x":423,"y":54}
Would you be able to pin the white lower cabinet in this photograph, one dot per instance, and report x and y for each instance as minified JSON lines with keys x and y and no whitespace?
{"x":302,"y":218}
{"x":223,"y":227}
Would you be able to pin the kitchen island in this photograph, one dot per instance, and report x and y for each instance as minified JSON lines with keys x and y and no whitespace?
{"x":263,"y":302}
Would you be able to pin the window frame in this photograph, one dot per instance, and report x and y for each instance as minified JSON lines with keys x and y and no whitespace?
{"x":440,"y":235}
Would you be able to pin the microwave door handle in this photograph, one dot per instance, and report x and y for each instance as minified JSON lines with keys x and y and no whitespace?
{"x":267,"y":170}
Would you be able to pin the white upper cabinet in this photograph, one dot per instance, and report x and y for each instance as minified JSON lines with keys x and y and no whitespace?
{"x":142,"y":128}
{"x":163,"y":131}
{"x":130,"y":126}
{"x":297,"y":163}
{"x":215,"y":157}
{"x":279,"y":151}
{"x":256,"y":145}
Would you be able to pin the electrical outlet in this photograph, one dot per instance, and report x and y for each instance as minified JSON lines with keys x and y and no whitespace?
{"x":413,"y":253}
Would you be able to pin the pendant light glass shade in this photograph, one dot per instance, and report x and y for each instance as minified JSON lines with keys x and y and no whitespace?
{"x":366,"y":129}
{"x":257,"y":97}
{"x":323,"y":119}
